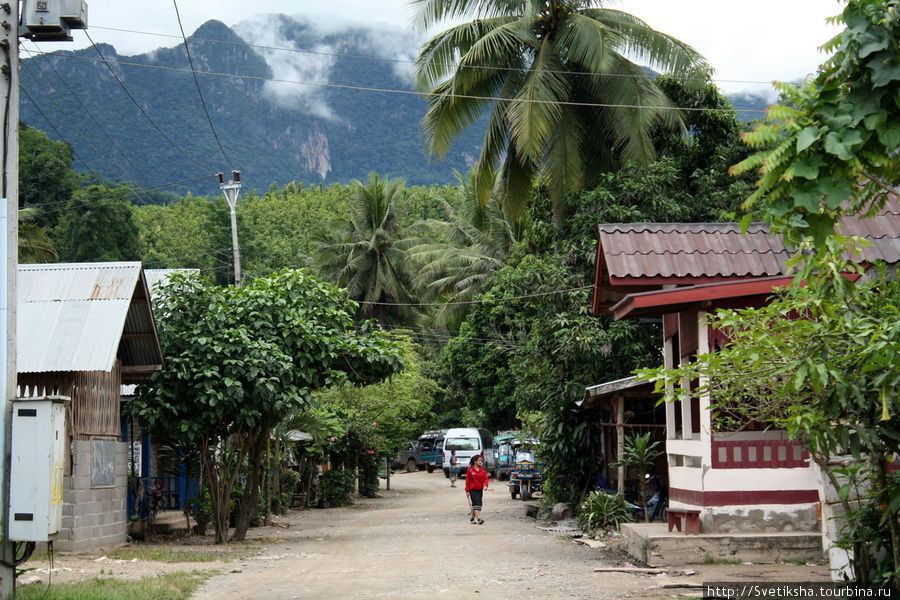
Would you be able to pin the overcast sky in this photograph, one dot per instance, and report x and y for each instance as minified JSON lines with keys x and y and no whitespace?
{"x":749,"y":44}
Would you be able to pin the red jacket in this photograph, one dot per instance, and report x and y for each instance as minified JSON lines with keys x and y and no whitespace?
{"x":476,"y":480}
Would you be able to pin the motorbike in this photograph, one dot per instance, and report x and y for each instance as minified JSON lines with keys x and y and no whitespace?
{"x":525,"y":478}
{"x":656,"y":506}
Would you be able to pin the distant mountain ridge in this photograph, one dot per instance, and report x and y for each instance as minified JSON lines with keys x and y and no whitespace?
{"x":300,"y":104}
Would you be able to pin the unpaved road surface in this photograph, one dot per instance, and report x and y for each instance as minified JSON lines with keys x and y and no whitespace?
{"x":415,"y":542}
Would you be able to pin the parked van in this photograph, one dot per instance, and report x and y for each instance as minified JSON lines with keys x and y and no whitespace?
{"x":468,"y":442}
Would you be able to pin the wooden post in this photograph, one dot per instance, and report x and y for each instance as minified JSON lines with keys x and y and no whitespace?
{"x":620,"y":440}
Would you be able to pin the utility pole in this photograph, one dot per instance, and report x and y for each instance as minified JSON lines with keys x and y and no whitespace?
{"x":9,"y":249}
{"x":231,"y":191}
{"x":44,"y":20}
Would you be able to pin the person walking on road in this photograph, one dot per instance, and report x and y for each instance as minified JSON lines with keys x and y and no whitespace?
{"x":454,"y":468}
{"x":476,"y":483}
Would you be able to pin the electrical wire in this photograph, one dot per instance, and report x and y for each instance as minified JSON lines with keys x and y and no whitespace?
{"x":412,"y":62}
{"x":479,"y":301}
{"x":85,"y":110}
{"x":75,"y":126}
{"x":425,"y":95}
{"x":141,"y":108}
{"x":197,"y":84}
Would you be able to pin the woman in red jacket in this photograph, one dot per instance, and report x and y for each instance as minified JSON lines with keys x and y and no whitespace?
{"x":476,"y":483}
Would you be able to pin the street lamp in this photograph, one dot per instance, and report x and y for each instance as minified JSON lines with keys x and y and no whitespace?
{"x":231,"y":191}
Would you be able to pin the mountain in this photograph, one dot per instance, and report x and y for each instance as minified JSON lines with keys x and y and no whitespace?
{"x":332,"y":127}
{"x":288,"y":99}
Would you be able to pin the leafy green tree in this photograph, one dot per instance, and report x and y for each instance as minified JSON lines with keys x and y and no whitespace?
{"x":46,"y":177}
{"x":360,"y":252}
{"x":97,"y":226}
{"x":238,"y":361}
{"x":459,"y":253}
{"x":193,"y":233}
{"x":556,"y":82}
{"x":833,"y":145}
{"x":401,"y":406}
{"x":275,"y":228}
{"x":35,"y":245}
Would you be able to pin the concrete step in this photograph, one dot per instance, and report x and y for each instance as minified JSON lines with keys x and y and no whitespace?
{"x":656,"y":546}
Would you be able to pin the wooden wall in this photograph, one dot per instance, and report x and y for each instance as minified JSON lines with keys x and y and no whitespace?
{"x":94,"y":410}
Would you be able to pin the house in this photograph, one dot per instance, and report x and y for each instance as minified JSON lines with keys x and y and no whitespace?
{"x":747,"y":482}
{"x":82,"y":331}
{"x":149,"y":467}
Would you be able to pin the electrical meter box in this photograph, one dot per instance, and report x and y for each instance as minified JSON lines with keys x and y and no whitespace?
{"x":52,"y":20}
{"x":36,"y":470}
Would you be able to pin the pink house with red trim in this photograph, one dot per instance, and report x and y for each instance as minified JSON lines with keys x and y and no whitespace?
{"x":740,"y":482}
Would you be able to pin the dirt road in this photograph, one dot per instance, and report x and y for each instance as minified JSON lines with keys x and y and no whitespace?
{"x":416,"y":542}
{"x":412,"y":542}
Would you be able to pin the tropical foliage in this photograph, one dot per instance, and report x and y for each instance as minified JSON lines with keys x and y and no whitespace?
{"x":834,"y":141}
{"x":360,"y":252}
{"x":458,"y":253}
{"x":562,"y":98}
{"x":35,"y":245}
{"x":241,"y":359}
{"x":821,"y":359}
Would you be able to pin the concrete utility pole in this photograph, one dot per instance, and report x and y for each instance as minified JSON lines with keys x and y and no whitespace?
{"x":231,"y":191}
{"x":9,"y":248}
{"x":44,"y":20}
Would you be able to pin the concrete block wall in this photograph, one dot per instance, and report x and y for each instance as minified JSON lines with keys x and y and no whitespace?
{"x":93,"y":516}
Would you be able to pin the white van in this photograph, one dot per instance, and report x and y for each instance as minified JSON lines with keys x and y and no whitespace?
{"x":468,"y":442}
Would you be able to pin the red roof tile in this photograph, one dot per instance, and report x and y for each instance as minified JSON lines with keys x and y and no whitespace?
{"x":634,"y":257}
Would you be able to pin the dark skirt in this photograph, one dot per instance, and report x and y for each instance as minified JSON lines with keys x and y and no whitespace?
{"x":475,"y":497}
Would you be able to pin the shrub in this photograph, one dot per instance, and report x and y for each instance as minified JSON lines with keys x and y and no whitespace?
{"x":602,"y":511}
{"x":336,"y":486}
{"x":289,"y":481}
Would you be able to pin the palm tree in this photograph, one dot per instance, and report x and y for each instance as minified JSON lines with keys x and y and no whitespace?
{"x":459,"y":254}
{"x":360,"y":253}
{"x":563,"y":100}
{"x":34,"y":243}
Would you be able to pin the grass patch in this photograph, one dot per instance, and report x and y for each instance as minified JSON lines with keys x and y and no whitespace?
{"x":172,"y":586}
{"x":170,"y":555}
{"x":709,"y":559}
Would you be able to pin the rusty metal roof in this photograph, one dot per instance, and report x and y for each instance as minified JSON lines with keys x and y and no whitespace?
{"x":83,"y":316}
{"x":634,"y":257}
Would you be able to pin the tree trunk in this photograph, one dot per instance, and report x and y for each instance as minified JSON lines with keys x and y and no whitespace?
{"x":256,"y":443}
{"x":219,"y":506}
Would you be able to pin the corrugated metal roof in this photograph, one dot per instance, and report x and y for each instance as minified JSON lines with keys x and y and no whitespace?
{"x":157,"y":277}
{"x":81,"y":317}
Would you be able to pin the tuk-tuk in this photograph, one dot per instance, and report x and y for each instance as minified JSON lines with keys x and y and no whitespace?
{"x":525,"y":478}
{"x":504,"y":454}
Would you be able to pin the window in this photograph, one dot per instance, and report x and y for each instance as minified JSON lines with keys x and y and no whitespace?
{"x":461,"y":444}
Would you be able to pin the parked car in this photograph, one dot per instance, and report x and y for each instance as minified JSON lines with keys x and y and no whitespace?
{"x":407,"y":458}
{"x":468,"y":442}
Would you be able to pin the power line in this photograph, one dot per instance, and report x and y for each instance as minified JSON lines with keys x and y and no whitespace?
{"x":72,"y":203}
{"x":405,"y":61}
{"x":479,"y":301}
{"x":199,"y":93}
{"x":75,"y":125}
{"x":412,"y":92}
{"x":141,"y":108}
{"x":100,"y":127}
